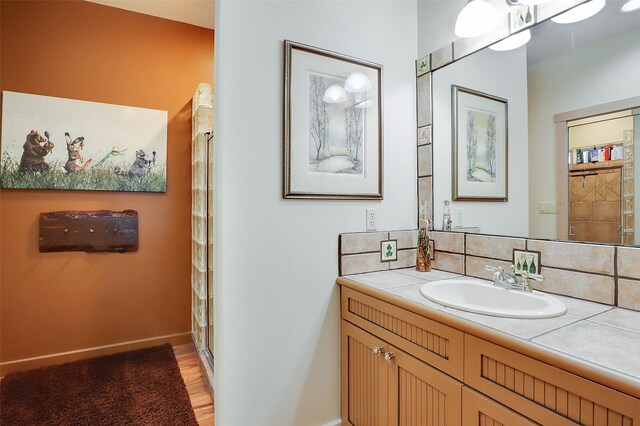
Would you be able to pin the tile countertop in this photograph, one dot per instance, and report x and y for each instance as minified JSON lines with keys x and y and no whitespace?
{"x":601,"y":335}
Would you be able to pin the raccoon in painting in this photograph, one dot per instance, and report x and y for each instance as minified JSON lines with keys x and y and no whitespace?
{"x":140,"y":167}
{"x":33,"y":156}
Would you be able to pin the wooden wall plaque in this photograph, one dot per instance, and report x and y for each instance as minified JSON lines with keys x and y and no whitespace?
{"x":90,"y":231}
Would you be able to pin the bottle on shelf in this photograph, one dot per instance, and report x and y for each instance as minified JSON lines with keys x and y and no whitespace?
{"x":446,"y":216}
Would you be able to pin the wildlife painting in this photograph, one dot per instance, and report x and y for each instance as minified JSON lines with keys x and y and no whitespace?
{"x":336,"y":129}
{"x":57,"y":143}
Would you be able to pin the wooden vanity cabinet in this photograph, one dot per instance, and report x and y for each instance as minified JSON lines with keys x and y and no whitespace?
{"x":382,"y":385}
{"x":429,"y":378}
{"x":478,"y":410}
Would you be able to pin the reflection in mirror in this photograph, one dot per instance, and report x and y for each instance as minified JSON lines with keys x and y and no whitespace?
{"x":564,"y":75}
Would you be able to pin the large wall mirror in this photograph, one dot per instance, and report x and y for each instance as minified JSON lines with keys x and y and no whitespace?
{"x":573,"y":132}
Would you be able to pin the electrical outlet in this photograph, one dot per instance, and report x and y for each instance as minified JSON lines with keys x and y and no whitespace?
{"x":372,"y":220}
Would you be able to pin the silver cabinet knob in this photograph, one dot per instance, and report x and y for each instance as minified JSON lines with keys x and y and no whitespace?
{"x":378,"y":350}
{"x":388,"y":356}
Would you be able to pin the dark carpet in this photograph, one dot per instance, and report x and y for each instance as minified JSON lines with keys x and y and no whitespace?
{"x":142,"y":387}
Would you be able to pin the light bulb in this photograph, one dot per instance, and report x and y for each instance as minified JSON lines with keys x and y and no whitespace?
{"x":512,"y":42}
{"x":334,"y":94}
{"x":580,"y":12}
{"x":532,"y":2}
{"x":630,"y":6}
{"x":477,"y":18}
{"x":357,"y":82}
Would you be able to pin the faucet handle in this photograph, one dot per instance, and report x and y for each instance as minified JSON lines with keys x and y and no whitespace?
{"x":526,"y":286}
{"x":493,"y":268}
{"x":527,"y":275}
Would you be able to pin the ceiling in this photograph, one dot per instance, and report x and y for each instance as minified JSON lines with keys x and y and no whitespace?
{"x":194,"y":12}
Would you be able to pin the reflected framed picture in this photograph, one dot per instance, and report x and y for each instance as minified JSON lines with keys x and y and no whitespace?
{"x":332,"y":127}
{"x":479,"y":157}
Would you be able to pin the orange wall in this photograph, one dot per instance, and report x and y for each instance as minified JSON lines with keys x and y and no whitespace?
{"x":57,"y":302}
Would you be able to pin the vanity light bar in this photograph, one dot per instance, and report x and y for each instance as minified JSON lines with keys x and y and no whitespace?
{"x":630,"y":6}
{"x":580,"y":13}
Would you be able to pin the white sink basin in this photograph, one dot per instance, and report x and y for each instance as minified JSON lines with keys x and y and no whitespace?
{"x":485,"y":298}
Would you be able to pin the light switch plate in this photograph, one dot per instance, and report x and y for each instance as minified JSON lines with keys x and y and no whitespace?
{"x":546,"y":207}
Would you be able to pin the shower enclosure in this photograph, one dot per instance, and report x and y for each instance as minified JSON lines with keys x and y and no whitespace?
{"x":201,"y":221}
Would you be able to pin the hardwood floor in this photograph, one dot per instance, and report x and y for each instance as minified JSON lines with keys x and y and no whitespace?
{"x":190,"y":370}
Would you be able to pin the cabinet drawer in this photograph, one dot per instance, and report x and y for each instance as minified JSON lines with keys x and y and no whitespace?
{"x":478,"y":410}
{"x":428,"y":340}
{"x":544,"y":393}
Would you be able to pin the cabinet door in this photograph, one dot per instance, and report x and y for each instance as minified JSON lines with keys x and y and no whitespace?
{"x":419,"y":394}
{"x":364,"y":378}
{"x":478,"y":410}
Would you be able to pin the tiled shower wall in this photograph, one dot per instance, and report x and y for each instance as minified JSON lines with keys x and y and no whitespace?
{"x":202,"y":123}
{"x":600,"y":273}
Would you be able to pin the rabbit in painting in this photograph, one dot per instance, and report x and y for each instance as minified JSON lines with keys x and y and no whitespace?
{"x":74,"y":150}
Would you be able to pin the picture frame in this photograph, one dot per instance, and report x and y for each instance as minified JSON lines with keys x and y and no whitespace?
{"x":332,"y":125}
{"x":52,"y":143}
{"x":480,"y":146}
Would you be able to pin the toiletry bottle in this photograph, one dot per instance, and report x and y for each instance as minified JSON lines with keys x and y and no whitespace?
{"x":594,"y":155}
{"x":446,"y":216}
{"x":423,"y":251}
{"x":586,"y":154}
{"x":579,"y":156}
{"x":607,"y":152}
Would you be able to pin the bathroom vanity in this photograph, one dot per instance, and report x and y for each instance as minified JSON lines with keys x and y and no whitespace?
{"x":409,"y":361}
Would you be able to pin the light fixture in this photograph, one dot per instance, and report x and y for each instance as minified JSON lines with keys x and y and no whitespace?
{"x":357,"y":82}
{"x":334,"y":94}
{"x":630,"y":6}
{"x":531,"y":2}
{"x":512,"y":42}
{"x":477,"y":18}
{"x":580,"y":12}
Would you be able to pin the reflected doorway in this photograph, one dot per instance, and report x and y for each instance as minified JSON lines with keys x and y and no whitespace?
{"x":601,"y":178}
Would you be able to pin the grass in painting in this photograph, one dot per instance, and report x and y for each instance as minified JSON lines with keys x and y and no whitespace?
{"x":92,"y":179}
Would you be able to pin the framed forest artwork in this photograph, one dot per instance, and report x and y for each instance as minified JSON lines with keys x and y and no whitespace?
{"x":479,"y":146}
{"x":332,"y":147}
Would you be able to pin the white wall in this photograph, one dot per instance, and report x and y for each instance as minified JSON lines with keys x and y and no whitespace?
{"x":436,"y":23}
{"x":602,"y":73}
{"x":276,"y":303}
{"x":501,"y":74}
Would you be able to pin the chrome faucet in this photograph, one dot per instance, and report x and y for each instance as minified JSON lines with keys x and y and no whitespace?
{"x":511,"y":281}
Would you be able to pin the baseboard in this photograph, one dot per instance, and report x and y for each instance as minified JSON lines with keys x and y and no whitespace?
{"x":335,"y":422}
{"x":64,"y":357}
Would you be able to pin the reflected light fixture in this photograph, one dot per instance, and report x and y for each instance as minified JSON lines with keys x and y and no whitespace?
{"x":630,"y":6}
{"x":334,"y":94}
{"x":580,"y":12}
{"x":512,"y":42}
{"x":531,"y":2}
{"x":477,"y":18}
{"x":357,"y":82}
